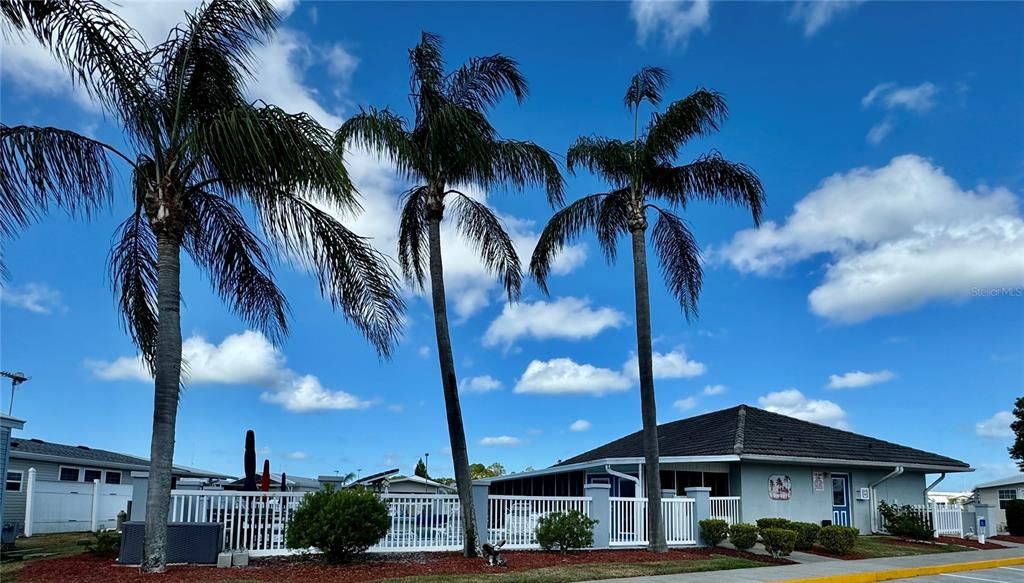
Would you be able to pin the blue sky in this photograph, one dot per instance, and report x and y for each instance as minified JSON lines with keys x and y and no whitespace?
{"x":883,"y":294}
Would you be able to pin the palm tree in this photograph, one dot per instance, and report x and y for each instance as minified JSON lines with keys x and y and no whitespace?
{"x":452,"y":144}
{"x":639,"y":171}
{"x":196,"y":149}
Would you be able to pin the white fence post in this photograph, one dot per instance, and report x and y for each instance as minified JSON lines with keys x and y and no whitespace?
{"x":94,"y":517}
{"x":30,"y":491}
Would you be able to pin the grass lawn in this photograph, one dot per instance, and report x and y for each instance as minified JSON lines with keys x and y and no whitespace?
{"x":57,"y":545}
{"x":875,"y":547}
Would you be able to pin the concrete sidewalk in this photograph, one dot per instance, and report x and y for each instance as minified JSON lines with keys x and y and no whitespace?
{"x":832,"y":569}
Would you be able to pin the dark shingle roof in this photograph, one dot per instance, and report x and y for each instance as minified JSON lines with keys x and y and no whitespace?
{"x":745,"y":431}
{"x":86,"y":455}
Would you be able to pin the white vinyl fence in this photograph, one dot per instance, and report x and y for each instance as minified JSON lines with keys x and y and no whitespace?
{"x":726,"y":508}
{"x":422,"y":522}
{"x":948,"y":521}
{"x":514,"y":518}
{"x":254,"y":521}
{"x":53,"y":506}
{"x":629,"y":521}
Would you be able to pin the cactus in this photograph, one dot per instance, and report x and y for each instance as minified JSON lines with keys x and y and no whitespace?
{"x":250,"y":462}
{"x":284,"y":482}
{"x":265,"y":481}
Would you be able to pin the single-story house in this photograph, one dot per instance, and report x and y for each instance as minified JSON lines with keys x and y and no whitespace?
{"x":777,"y":465}
{"x":947,"y":499}
{"x":59,"y":467}
{"x":997,"y":493}
{"x":293,"y":483}
{"x":389,"y":482}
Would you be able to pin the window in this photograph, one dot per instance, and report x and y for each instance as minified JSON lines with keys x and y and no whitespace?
{"x":13,"y":483}
{"x":1005,"y":496}
{"x":91,"y":475}
{"x":113,"y":477}
{"x":69,"y":474}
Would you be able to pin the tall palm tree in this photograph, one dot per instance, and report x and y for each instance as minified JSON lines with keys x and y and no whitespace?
{"x":196,"y":150}
{"x":451,"y":144}
{"x":640,"y":171}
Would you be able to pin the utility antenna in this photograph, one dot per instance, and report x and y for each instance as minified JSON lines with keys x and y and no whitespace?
{"x":16,"y":379}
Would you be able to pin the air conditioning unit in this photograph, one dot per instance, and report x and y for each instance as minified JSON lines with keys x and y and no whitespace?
{"x":864,"y":494}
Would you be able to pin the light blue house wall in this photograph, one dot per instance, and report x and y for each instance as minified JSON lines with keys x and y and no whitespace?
{"x":806,"y":505}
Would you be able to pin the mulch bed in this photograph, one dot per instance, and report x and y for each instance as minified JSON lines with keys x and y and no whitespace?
{"x":1009,"y":539}
{"x":964,"y":542}
{"x":374,"y":567}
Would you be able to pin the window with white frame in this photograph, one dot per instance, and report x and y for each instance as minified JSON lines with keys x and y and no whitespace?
{"x":67,"y":474}
{"x":14,"y":480}
{"x":112,"y":477}
{"x":1005,"y":496}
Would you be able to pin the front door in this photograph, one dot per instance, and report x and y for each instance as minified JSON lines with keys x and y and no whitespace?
{"x":841,"y":499}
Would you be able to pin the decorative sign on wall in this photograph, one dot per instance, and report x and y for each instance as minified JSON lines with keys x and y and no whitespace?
{"x":779,"y":487}
{"x":819,"y":481}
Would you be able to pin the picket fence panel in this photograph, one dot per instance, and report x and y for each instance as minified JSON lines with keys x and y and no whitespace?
{"x":629,"y":521}
{"x":948,"y":521}
{"x":514,"y":518}
{"x":726,"y":508}
{"x":422,"y":522}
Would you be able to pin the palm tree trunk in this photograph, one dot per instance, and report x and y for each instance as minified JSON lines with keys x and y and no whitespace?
{"x":648,"y":407}
{"x":456,"y":431}
{"x":165,"y":402}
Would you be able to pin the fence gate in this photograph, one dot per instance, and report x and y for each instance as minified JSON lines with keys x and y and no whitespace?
{"x":629,"y":521}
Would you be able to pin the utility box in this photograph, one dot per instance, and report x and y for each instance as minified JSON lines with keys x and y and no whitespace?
{"x":196,"y":543}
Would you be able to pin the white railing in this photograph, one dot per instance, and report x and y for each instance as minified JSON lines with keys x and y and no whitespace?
{"x":254,"y":521}
{"x":422,"y":522}
{"x":514,"y":518}
{"x":629,"y":521}
{"x":726,"y":508}
{"x":947,"y":521}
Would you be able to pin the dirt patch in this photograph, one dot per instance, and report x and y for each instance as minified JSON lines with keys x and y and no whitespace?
{"x":823,"y":553}
{"x":314,"y":569}
{"x":1009,"y":538}
{"x":963,"y":542}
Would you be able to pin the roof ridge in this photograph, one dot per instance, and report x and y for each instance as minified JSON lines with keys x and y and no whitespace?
{"x":741,"y":426}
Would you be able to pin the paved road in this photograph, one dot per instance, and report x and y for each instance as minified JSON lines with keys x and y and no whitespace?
{"x":1000,"y":575}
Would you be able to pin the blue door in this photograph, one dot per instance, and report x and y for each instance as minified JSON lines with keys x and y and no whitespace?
{"x":841,"y":499}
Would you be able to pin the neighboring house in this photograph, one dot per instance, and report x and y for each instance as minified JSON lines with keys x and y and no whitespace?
{"x":997,"y":493}
{"x":947,"y":499}
{"x":64,"y":477}
{"x":293,"y":483}
{"x":777,"y":465}
{"x":389,"y":482}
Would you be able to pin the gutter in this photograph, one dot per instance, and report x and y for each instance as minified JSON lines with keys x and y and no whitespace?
{"x":621,"y":476}
{"x":874,"y":504}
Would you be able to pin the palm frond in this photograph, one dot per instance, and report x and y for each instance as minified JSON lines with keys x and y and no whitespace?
{"x":353,"y":275}
{"x":711,"y":178}
{"x":646,"y":85}
{"x":412,"y":237}
{"x":133,"y":274}
{"x":699,"y":114}
{"x":612,"y":221}
{"x":40,"y":166}
{"x":219,"y":240}
{"x":679,"y":256}
{"x":483,"y":81}
{"x":426,"y":82}
{"x":484,"y":231}
{"x":381,"y":131}
{"x":608,"y":158}
{"x":523,"y":164}
{"x":565,"y":226}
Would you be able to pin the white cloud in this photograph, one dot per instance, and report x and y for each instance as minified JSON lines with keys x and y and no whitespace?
{"x":880,"y":131}
{"x":793,"y":403}
{"x":859,"y":378}
{"x":35,"y":297}
{"x":480,"y":384}
{"x":563,"y":376}
{"x":580,"y":425}
{"x":675,"y":20}
{"x":423,"y":351}
{"x":247,"y":358}
{"x":669,"y":365}
{"x":569,"y":318}
{"x":297,"y":455}
{"x":685,"y":404}
{"x":815,"y":14}
{"x":917,"y":98}
{"x":501,"y":440}
{"x":713,"y":390}
{"x":997,"y":426}
{"x":897,"y":236}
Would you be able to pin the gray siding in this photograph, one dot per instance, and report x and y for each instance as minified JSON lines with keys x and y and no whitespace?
{"x":14,"y":502}
{"x":806,"y":505}
{"x":5,"y":448}
{"x":990,"y":496}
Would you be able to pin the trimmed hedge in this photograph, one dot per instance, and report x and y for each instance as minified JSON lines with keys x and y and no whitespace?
{"x":806,"y":534}
{"x":713,"y":531}
{"x":567,"y":531}
{"x":341,"y":523}
{"x":1015,"y":517}
{"x":838,"y":540}
{"x":779,"y":542}
{"x":743,"y":536}
{"x":766,"y":523}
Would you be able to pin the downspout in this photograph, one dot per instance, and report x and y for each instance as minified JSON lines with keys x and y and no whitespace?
{"x":608,"y":470}
{"x":941,"y":477}
{"x":872,"y":497}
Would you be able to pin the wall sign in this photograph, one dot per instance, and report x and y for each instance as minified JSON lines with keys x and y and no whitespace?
{"x":779,"y":487}
{"x":819,"y":481}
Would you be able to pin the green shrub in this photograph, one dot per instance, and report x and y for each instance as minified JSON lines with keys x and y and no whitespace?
{"x":104,"y":543}
{"x":778,"y":542}
{"x":838,"y":540}
{"x":567,"y":531}
{"x":906,"y":521}
{"x":806,"y":534}
{"x":743,"y":536}
{"x":340,"y":523}
{"x":713,"y":531}
{"x":766,"y":523}
{"x":1015,"y":517}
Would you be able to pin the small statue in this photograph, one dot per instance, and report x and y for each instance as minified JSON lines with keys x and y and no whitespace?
{"x":492,"y":553}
